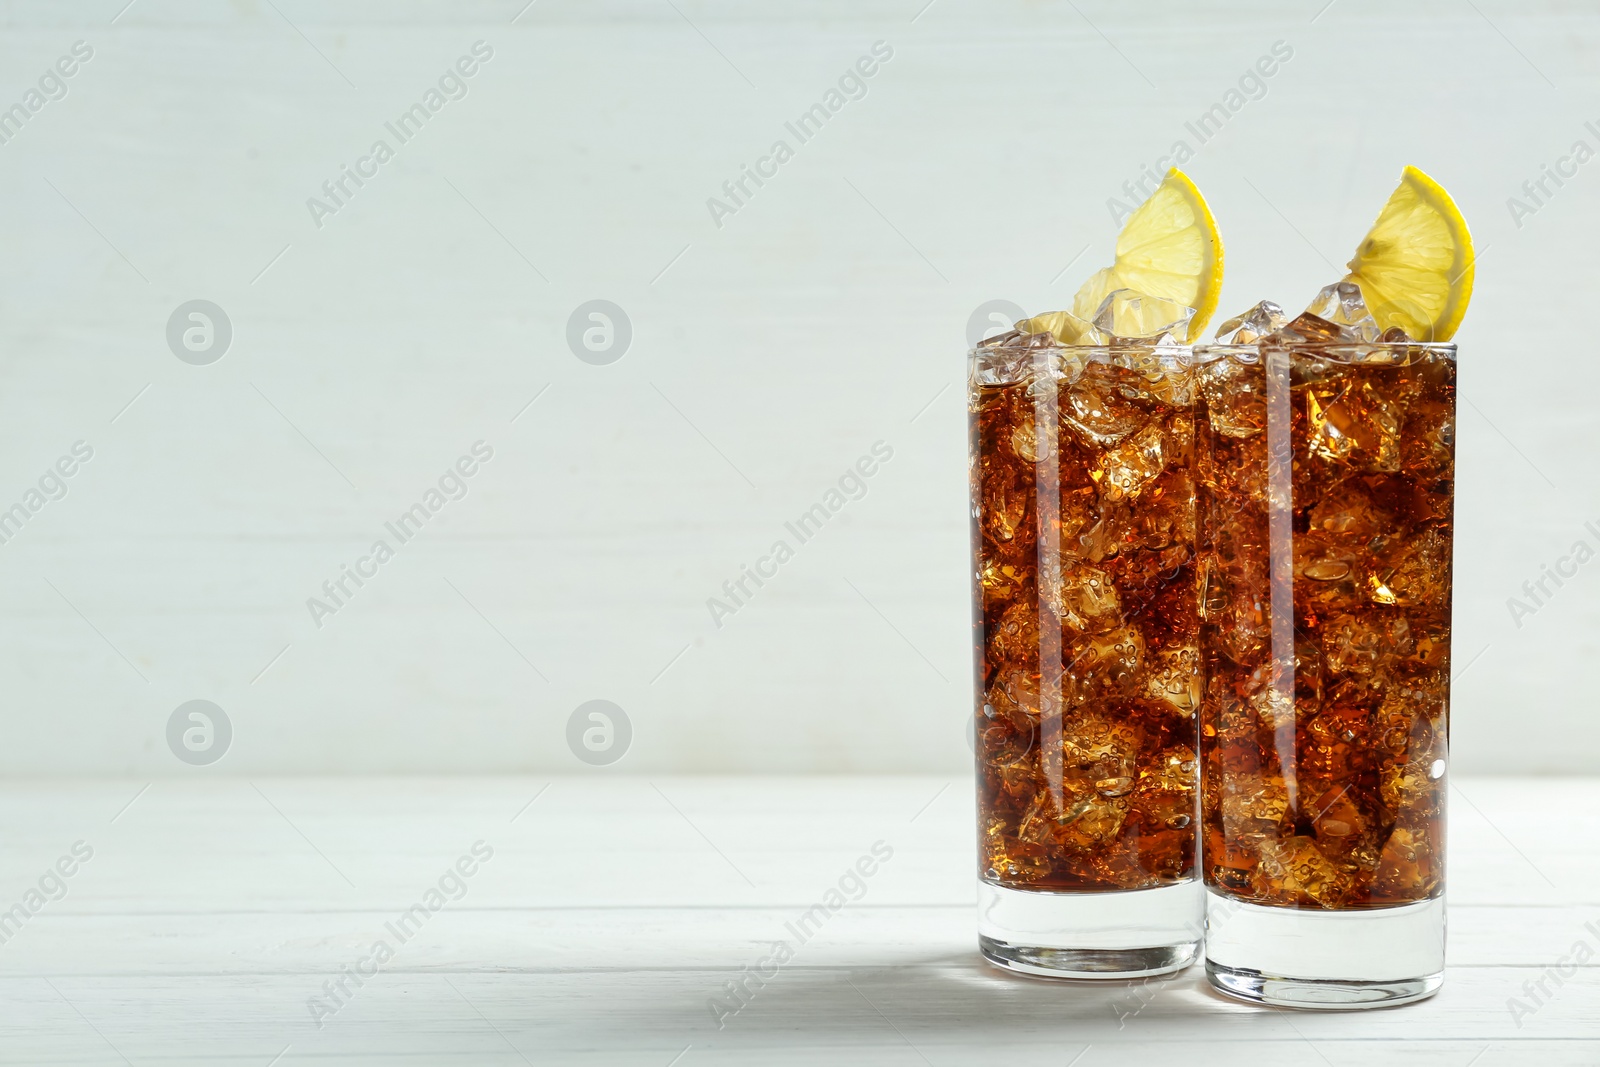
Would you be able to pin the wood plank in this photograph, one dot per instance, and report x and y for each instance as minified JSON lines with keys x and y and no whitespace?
{"x":613,"y":911}
{"x":466,"y":937}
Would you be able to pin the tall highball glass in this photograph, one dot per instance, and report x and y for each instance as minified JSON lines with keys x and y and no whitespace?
{"x":1325,"y":475}
{"x":1086,"y":657}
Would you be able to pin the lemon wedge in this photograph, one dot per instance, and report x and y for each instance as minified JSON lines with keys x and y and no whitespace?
{"x":1169,"y":247}
{"x":1414,"y":266}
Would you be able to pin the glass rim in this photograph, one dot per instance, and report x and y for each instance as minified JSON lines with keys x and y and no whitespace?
{"x":1151,"y":349}
{"x":1228,"y":348}
{"x":1225,"y":348}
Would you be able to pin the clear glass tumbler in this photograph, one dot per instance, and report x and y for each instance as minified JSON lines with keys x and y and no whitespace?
{"x":1087,"y":657}
{"x":1325,"y":476}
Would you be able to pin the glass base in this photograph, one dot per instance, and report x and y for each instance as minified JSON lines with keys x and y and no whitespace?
{"x":1329,"y":960}
{"x":1320,"y":994}
{"x":1087,"y":962}
{"x":1131,"y":933}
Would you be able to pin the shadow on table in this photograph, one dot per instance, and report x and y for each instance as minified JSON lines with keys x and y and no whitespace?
{"x":953,"y":998}
{"x":959,"y":994}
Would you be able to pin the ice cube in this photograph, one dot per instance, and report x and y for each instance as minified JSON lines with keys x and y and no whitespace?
{"x":1015,"y":860}
{"x":1025,"y":442}
{"x":1015,"y":689}
{"x":1413,"y":720}
{"x":1408,"y":865}
{"x":1063,"y":327}
{"x":1165,"y":795}
{"x":1342,"y":307}
{"x":1365,"y":644}
{"x":1014,"y":339}
{"x":1273,"y":706}
{"x":1099,"y":746}
{"x":1005,"y":737}
{"x":1258,"y":322}
{"x":1097,"y":758}
{"x":1168,"y":372}
{"x":1235,"y":396}
{"x":1312,"y":329}
{"x":1251,"y":800}
{"x":1411,"y":783}
{"x":1015,"y":636}
{"x":1349,"y":512}
{"x":1336,"y":817}
{"x":1167,"y":515}
{"x":1327,"y":574}
{"x":1430,"y":651}
{"x":1111,"y":532}
{"x":999,"y":365}
{"x":1336,"y":743}
{"x":1174,"y":677}
{"x":1078,"y":512}
{"x":1355,"y":420}
{"x":1416,"y":573}
{"x":1428,"y":441}
{"x":1107,"y":662}
{"x":1085,"y":822}
{"x":1001,"y":579}
{"x":1124,"y":471}
{"x":1094,"y":409}
{"x":1085,"y":598}
{"x":1004,"y":506}
{"x":1299,"y":867}
{"x":1127,"y":315}
{"x":1146,"y":575}
{"x":1019,"y":780}
{"x":1233,"y":601}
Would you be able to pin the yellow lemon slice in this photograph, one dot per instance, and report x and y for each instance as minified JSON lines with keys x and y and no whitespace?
{"x":1067,"y":327}
{"x":1415,"y":264}
{"x":1169,"y":247}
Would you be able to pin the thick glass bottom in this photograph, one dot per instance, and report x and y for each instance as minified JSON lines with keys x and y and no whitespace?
{"x":1320,"y":994}
{"x":1087,"y":962}
{"x":1110,"y":934}
{"x":1329,"y":960}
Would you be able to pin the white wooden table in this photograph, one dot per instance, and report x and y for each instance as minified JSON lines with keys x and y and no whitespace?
{"x":613,"y":910}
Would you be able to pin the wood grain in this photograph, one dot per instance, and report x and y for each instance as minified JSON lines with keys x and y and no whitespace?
{"x":614,"y":908}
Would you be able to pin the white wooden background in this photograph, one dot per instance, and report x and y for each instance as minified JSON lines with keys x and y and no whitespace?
{"x":614,"y":908}
{"x":768,"y":354}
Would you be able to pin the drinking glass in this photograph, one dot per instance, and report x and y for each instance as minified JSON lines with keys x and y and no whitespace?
{"x":1086,"y":656}
{"x":1325,"y":475}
